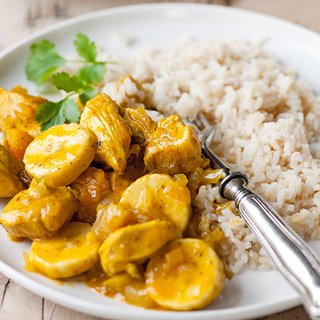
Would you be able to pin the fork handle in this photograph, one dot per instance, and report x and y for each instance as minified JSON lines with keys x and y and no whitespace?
{"x":289,"y":252}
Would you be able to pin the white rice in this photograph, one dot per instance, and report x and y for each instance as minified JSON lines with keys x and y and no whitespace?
{"x":265,"y":118}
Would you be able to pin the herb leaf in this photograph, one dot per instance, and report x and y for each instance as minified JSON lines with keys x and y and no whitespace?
{"x":92,"y":74}
{"x":43,"y":60}
{"x":64,"y":81}
{"x":50,"y":113}
{"x":85,"y":47}
{"x":46,"y":111}
{"x":70,"y":110}
{"x":87,"y":94}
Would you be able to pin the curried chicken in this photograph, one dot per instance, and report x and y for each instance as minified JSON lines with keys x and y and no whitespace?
{"x":17,"y":110}
{"x":142,"y":126}
{"x":131,"y":182}
{"x":38,"y":212}
{"x":17,"y":141}
{"x":101,"y":115}
{"x":10,"y":167}
{"x":174,"y":148}
{"x":60,"y":154}
{"x":91,"y":188}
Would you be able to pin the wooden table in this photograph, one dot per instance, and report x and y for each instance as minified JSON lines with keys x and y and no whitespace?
{"x":19,"y":18}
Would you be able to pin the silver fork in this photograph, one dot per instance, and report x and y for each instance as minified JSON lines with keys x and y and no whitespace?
{"x":294,"y":258}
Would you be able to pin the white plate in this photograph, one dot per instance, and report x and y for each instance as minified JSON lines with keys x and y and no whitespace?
{"x":253,"y":293}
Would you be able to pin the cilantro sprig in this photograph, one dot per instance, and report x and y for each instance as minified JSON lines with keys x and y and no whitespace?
{"x":42,"y":67}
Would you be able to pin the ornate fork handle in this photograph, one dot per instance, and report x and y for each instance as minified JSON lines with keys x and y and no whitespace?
{"x":289,"y":252}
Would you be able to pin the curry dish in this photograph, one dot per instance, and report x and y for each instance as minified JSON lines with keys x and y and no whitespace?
{"x":111,"y":198}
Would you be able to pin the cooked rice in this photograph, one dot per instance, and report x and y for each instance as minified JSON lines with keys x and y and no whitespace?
{"x":265,"y":118}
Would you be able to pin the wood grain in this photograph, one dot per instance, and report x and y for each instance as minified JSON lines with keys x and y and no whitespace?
{"x":18,"y":18}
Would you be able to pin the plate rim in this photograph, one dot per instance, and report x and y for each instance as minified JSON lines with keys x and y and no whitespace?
{"x":115,"y":312}
{"x":151,"y":6}
{"x":61,"y":298}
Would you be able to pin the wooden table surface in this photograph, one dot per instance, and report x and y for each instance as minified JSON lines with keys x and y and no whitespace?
{"x":19,"y":18}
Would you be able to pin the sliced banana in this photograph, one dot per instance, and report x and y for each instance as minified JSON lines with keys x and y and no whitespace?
{"x":186,"y":275}
{"x":134,"y":244}
{"x":160,"y":196}
{"x":71,"y":252}
{"x":60,"y":154}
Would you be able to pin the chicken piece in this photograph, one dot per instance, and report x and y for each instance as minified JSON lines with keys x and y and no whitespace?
{"x":91,"y":188}
{"x":71,"y":252}
{"x":101,"y":115}
{"x":186,"y":275}
{"x":10,"y":167}
{"x":159,"y":196}
{"x":174,"y":148}
{"x":134,"y":244}
{"x":142,"y":126}
{"x":60,"y":154}
{"x":17,"y":110}
{"x":38,"y":212}
{"x":130,"y":289}
{"x":111,"y":217}
{"x":17,"y":141}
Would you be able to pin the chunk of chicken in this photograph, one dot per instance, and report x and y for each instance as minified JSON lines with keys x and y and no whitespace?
{"x":10,"y":167}
{"x":60,"y":154}
{"x":91,"y":188}
{"x":142,"y":126}
{"x":17,"y":110}
{"x":101,"y":115}
{"x":17,"y":141}
{"x":71,"y":252}
{"x":130,"y":289}
{"x":111,"y":217}
{"x":134,"y":244}
{"x":38,"y":212}
{"x":174,"y":148}
{"x":159,"y":196}
{"x":186,"y":275}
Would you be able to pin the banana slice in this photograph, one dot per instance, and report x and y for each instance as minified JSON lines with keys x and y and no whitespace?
{"x":159,"y":196}
{"x":134,"y":244}
{"x":60,"y":154}
{"x":186,"y":275}
{"x":73,"y":251}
